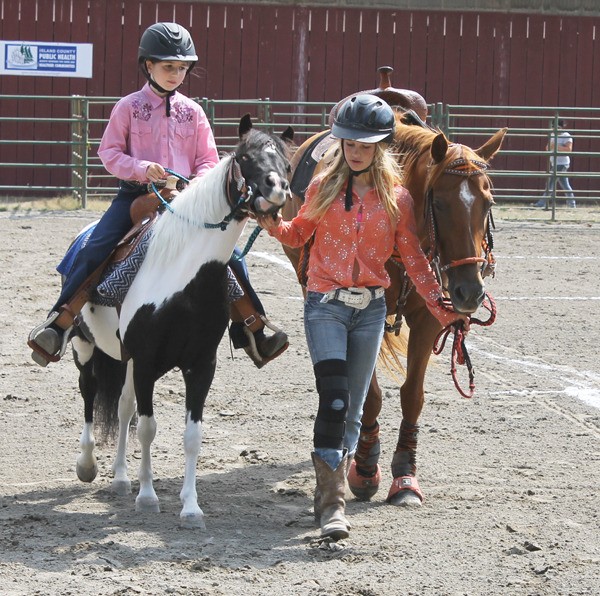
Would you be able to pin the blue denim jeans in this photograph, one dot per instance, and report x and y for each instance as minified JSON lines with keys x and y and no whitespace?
{"x":563,"y":183}
{"x":113,"y":225}
{"x":340,"y":332}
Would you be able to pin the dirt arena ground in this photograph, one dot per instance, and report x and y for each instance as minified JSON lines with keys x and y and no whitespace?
{"x":511,"y":477}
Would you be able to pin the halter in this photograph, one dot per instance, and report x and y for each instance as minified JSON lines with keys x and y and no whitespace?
{"x":460,"y":166}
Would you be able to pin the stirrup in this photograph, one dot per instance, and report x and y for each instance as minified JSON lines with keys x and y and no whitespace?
{"x":39,"y":350}
{"x":252,"y":349}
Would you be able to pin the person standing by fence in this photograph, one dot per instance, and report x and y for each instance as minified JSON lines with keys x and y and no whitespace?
{"x":564,"y":146}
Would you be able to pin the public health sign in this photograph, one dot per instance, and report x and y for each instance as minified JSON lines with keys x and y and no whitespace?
{"x":32,"y":58}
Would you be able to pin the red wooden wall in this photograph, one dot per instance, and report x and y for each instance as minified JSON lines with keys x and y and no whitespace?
{"x":301,"y":53}
{"x":322,"y":54}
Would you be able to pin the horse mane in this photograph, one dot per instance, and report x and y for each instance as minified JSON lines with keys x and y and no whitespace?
{"x":199,"y":203}
{"x":412,"y":141}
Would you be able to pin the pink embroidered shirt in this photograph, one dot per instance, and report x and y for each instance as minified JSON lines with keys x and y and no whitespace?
{"x":139,"y":133}
{"x":351,"y":248}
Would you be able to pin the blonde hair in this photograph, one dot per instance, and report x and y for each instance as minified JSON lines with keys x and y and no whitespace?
{"x":385,"y":172}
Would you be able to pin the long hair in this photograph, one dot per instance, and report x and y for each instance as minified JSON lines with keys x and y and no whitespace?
{"x":385,"y":172}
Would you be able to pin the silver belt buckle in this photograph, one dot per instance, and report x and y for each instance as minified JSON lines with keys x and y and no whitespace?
{"x":357,"y":297}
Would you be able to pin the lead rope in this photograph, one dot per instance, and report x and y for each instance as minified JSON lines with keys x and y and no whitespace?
{"x":248,"y":246}
{"x":460,"y":355}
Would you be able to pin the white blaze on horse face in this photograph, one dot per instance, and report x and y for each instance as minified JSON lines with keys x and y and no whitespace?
{"x":277,"y":195}
{"x":466,"y":195}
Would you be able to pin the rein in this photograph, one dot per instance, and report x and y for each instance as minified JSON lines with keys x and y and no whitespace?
{"x":459,"y":349}
{"x":234,"y":175}
{"x":460,"y":356}
{"x":462,"y":166}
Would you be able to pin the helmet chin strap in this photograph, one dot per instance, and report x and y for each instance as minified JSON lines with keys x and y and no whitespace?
{"x":348,"y":198}
{"x":160,"y":89}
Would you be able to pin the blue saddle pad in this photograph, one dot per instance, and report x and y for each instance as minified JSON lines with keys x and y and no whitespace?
{"x":64,"y":267}
{"x":117,"y":278}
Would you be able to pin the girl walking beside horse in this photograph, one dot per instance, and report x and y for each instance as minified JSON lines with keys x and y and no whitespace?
{"x":150,"y":132}
{"x":356,"y":210}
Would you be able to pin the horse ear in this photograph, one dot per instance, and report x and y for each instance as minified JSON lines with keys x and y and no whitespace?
{"x":439,"y":148}
{"x":288,"y":135}
{"x":492,"y":146}
{"x":245,"y":125}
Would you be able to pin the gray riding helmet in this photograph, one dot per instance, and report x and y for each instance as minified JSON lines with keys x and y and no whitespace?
{"x":365,"y":118}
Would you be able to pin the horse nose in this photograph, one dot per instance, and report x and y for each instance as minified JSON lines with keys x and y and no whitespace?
{"x":467,"y":297}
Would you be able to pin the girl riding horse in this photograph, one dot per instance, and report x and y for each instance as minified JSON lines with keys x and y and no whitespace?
{"x":150,"y":132}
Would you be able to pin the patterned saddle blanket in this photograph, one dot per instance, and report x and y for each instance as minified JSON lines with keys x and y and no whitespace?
{"x":120,"y":273}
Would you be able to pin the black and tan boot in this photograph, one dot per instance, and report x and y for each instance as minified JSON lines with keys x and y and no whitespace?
{"x":49,"y":340}
{"x":248,"y":331}
{"x":330,"y":506}
{"x":364,"y":473}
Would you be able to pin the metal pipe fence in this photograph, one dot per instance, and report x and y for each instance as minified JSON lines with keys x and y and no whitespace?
{"x":525,"y":171}
{"x":63,"y":140}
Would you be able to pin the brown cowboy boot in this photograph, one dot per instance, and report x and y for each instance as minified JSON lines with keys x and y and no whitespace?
{"x":49,"y":340}
{"x":248,"y":332}
{"x":330,"y":505}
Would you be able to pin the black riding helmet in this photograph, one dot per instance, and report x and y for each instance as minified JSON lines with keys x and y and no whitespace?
{"x":165,"y":41}
{"x":365,"y":118}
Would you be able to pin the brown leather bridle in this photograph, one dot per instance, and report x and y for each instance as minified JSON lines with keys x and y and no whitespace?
{"x":460,"y":166}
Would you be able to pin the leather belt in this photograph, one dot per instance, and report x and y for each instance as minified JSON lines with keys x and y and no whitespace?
{"x":354,"y":297}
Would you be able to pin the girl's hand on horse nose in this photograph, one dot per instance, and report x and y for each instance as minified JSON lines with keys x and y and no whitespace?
{"x":269,"y":222}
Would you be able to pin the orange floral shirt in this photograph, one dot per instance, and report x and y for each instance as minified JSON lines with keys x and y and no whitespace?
{"x":351,"y":248}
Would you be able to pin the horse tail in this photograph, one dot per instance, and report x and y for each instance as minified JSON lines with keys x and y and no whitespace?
{"x":393,"y":347}
{"x":110,"y":378}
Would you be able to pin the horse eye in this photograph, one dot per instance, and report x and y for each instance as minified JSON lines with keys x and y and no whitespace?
{"x":439,"y":204}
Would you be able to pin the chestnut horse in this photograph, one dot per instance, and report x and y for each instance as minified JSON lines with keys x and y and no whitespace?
{"x":452,"y":201}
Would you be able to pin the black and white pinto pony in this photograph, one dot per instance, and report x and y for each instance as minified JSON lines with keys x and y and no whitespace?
{"x":175,"y":314}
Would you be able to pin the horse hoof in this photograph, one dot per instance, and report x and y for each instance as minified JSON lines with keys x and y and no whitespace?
{"x":121,"y":487}
{"x":363,"y":487}
{"x":86,"y":473}
{"x":147,"y":505}
{"x":405,"y":498}
{"x":192,"y":521}
{"x":405,"y":492}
